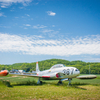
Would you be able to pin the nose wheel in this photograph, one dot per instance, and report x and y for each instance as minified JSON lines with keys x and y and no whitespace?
{"x":69,"y":82}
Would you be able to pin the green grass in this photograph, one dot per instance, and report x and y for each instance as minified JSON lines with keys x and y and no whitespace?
{"x":25,"y":88}
{"x":2,"y":84}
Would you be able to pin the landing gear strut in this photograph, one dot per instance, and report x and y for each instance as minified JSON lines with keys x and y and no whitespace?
{"x":59,"y":82}
{"x":39,"y":82}
{"x":69,"y":82}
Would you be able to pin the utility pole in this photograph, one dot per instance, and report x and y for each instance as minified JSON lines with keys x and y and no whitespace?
{"x":43,"y":67}
{"x":89,"y":68}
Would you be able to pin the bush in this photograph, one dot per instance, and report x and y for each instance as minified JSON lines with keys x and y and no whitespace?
{"x":7,"y":83}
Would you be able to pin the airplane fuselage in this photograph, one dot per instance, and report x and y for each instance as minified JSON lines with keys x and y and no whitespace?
{"x":58,"y":73}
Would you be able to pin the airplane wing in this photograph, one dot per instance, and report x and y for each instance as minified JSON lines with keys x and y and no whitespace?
{"x":57,"y":75}
{"x":86,"y":77}
{"x":25,"y":74}
{"x":30,"y":75}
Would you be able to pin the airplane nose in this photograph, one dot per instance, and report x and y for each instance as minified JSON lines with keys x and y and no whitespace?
{"x":78,"y":72}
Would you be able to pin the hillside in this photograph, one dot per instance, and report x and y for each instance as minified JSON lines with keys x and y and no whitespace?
{"x":46,"y":64}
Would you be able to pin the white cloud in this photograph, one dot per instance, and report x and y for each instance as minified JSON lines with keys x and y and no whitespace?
{"x":39,"y":26}
{"x":47,"y":31}
{"x":27,"y":25}
{"x":6,"y":3}
{"x":3,"y":6}
{"x":36,"y":3}
{"x":2,"y":14}
{"x":27,"y":15}
{"x":25,"y":28}
{"x":50,"y":13}
{"x":16,"y":17}
{"x":53,"y":25}
{"x":21,"y":7}
{"x":36,"y":45}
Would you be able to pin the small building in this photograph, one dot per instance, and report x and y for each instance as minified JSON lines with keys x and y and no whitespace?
{"x":21,"y":71}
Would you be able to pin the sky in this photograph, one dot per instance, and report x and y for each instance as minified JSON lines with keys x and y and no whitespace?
{"x":36,"y":30}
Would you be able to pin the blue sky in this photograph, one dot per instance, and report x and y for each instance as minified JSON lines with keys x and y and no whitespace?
{"x":35,"y":30}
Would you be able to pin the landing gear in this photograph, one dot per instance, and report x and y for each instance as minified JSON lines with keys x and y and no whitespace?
{"x":60,"y":82}
{"x":39,"y":82}
{"x":69,"y":82}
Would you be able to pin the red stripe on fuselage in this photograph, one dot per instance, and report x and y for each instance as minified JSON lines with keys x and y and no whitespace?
{"x":46,"y":76}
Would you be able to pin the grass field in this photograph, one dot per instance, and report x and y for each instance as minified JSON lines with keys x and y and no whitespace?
{"x":25,"y":88}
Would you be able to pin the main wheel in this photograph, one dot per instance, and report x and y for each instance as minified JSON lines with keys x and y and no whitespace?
{"x":60,"y":82}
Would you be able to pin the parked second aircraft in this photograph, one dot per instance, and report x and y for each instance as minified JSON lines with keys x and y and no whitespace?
{"x":4,"y":73}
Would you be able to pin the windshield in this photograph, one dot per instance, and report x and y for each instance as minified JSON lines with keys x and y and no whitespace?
{"x":64,"y":65}
{"x":58,"y":66}
{"x":76,"y":70}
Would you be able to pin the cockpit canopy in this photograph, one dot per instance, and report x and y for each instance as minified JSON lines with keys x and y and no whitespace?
{"x":58,"y":66}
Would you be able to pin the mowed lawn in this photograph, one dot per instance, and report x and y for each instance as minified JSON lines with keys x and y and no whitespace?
{"x":49,"y":90}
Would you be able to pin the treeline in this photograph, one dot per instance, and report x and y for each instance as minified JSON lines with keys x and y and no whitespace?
{"x":46,"y":64}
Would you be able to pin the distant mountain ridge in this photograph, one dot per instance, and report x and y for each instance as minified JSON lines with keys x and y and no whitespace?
{"x":46,"y":64}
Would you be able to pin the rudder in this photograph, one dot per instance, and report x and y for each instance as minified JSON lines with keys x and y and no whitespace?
{"x":37,"y":67}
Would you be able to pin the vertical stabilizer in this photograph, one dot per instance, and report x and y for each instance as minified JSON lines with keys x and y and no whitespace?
{"x":37,"y":67}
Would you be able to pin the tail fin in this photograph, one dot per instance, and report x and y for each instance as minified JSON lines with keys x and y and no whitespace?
{"x":37,"y":67}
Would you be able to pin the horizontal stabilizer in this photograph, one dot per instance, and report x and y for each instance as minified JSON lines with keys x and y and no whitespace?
{"x":86,"y":77}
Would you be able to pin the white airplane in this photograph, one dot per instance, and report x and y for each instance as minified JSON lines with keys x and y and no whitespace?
{"x":57,"y":72}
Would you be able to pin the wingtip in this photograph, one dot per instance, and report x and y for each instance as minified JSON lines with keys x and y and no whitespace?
{"x":86,"y":77}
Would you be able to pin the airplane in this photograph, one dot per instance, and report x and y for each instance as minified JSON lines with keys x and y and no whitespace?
{"x":57,"y":72}
{"x":4,"y":73}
